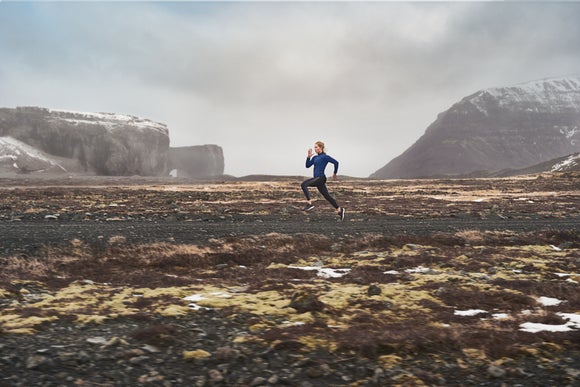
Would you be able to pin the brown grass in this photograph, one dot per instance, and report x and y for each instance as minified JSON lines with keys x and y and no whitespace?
{"x":410,"y":315}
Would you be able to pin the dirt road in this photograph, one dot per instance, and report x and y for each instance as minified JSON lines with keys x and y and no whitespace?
{"x":29,"y":236}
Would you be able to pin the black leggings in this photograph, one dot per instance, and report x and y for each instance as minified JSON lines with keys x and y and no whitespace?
{"x":320,"y":183}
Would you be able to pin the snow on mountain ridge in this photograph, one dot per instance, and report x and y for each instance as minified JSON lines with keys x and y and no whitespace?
{"x":497,"y":129}
{"x":547,"y":95}
{"x":569,"y":163}
{"x":109,"y":120}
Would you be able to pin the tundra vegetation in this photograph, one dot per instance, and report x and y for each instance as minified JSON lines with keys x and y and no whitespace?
{"x":443,"y":306}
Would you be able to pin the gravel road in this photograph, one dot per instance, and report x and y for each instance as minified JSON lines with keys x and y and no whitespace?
{"x":28,"y":236}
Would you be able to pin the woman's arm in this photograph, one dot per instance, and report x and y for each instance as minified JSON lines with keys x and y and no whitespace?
{"x":335,"y":163}
{"x":309,"y":159}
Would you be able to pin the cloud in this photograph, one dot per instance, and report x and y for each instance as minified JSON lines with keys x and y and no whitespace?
{"x":267,"y":79}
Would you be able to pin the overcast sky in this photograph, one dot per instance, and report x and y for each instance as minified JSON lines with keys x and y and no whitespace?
{"x":264,"y":80}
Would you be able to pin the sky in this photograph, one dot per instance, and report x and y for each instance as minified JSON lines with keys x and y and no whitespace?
{"x":265,"y":80}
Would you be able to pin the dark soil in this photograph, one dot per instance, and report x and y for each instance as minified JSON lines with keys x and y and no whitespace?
{"x":482,"y":244}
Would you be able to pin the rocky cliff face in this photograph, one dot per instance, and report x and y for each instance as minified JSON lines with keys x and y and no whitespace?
{"x":18,"y":157}
{"x":494,"y":129}
{"x":101,"y":143}
{"x":196,"y":161}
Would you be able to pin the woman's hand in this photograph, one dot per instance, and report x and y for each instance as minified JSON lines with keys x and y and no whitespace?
{"x":310,"y":153}
{"x":334,"y":177}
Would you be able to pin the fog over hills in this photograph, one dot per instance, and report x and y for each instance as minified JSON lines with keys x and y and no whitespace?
{"x":494,"y":129}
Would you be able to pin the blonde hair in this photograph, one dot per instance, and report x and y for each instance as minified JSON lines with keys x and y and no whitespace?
{"x":320,"y":144}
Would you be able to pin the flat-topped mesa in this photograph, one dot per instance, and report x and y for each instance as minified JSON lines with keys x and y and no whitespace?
{"x":202,"y":161}
{"x":102,"y":143}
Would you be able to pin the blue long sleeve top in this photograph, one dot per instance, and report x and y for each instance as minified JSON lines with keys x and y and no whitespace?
{"x":320,"y":161}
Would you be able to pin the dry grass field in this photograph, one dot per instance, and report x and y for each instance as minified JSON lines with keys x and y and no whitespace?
{"x":110,"y":282}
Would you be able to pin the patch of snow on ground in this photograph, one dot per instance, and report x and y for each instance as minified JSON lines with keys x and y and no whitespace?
{"x":195,"y":298}
{"x":538,"y":327}
{"x":324,"y":272}
{"x":549,"y":301}
{"x":419,"y":269}
{"x":221,"y":294}
{"x":470,"y":312}
{"x":391,"y":272}
{"x":573,"y":323}
{"x":574,"y":319}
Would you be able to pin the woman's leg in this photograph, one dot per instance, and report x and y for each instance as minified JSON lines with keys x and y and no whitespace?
{"x":309,"y":183}
{"x":324,"y":191}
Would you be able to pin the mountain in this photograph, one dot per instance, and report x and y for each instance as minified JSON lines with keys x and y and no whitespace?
{"x":196,"y":161}
{"x":43,"y":141}
{"x":570,"y":163}
{"x":495,"y":129}
{"x":106,"y":143}
{"x":566,"y":164}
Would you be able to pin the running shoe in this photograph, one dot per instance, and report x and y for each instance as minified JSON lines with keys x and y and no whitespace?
{"x":342,"y":212}
{"x":308,"y":207}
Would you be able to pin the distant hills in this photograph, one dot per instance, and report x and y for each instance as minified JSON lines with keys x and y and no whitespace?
{"x":494,"y":130}
{"x":570,"y":163}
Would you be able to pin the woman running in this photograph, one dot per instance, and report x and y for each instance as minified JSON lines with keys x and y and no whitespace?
{"x":319,"y":180}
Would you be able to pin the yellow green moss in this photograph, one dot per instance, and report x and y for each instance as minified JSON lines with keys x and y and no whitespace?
{"x":20,"y":331}
{"x":174,"y":311}
{"x":312,"y":343}
{"x":197,"y":354}
{"x":16,"y":321}
{"x":389,"y":361}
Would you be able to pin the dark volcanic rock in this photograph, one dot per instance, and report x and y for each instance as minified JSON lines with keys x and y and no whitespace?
{"x":494,"y":129}
{"x":196,"y":161}
{"x":102,"y":143}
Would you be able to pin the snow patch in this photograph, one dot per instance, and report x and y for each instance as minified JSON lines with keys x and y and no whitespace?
{"x":573,"y":319}
{"x":567,"y":131}
{"x":549,"y":301}
{"x":324,"y":272}
{"x":12,"y":149}
{"x":564,"y":274}
{"x":470,"y":312}
{"x":538,"y":327}
{"x":195,"y":298}
{"x":573,"y":323}
{"x":419,"y":269}
{"x":551,"y":95}
{"x":392,"y":272}
{"x":570,"y":162}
